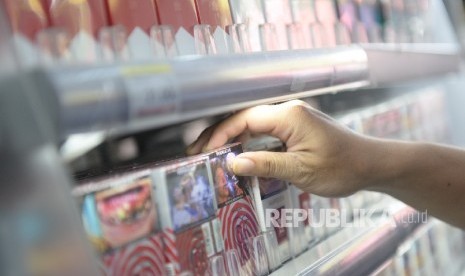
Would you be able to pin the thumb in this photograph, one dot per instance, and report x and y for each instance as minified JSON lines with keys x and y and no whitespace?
{"x":279,"y":165}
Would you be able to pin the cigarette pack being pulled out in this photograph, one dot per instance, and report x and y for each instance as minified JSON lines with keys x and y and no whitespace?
{"x":121,"y":220}
{"x":271,"y":199}
{"x":239,"y":225}
{"x":191,"y":241}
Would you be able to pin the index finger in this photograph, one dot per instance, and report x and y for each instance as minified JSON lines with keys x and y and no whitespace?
{"x":264,"y":119}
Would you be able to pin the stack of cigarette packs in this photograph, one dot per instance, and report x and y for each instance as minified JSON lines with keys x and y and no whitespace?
{"x":188,"y":216}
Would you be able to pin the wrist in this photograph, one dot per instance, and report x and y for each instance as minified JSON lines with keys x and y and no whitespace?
{"x":386,"y":162}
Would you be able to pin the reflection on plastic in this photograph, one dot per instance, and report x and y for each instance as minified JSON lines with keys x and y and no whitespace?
{"x":232,"y":262}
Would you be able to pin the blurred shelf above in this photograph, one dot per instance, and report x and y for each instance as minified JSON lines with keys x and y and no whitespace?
{"x":126,"y":98}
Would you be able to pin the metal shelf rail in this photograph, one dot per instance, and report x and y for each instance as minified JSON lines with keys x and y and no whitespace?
{"x":355,"y":251}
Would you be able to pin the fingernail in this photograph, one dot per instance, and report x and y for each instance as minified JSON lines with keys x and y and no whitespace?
{"x":243,"y":166}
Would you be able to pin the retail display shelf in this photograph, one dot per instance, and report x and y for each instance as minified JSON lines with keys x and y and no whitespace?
{"x":123,"y":98}
{"x":355,"y":250}
{"x":126,"y":98}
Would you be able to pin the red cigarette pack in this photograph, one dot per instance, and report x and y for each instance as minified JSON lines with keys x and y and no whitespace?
{"x":27,"y":17}
{"x":132,"y":14}
{"x":75,"y":16}
{"x":178,"y":14}
{"x":214,"y":13}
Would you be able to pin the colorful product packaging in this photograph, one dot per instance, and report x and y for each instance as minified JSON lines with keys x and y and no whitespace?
{"x":121,"y":219}
{"x":191,"y":241}
{"x":239,"y":224}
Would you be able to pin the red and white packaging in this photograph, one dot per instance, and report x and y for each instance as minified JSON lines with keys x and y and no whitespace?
{"x":121,"y":220}
{"x":239,"y":225}
{"x":182,"y":16}
{"x":185,"y":190}
{"x":278,"y":13}
{"x":249,"y":13}
{"x":138,"y":17}
{"x":27,"y":19}
{"x":82,"y":20}
{"x":217,"y":15}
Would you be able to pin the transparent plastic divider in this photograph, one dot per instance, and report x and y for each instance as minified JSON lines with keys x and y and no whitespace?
{"x":269,"y":37}
{"x":204,"y":42}
{"x":113,"y":43}
{"x":163,"y":41}
{"x":54,"y":45}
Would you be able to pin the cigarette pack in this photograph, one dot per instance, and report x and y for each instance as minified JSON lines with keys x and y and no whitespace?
{"x":239,"y":225}
{"x":82,"y":22}
{"x":317,"y":216}
{"x":121,"y":220}
{"x":273,"y":208}
{"x":178,"y":14}
{"x":278,"y":13}
{"x":250,"y":13}
{"x":303,"y":14}
{"x":137,"y":17}
{"x":133,"y":14}
{"x":216,"y":14}
{"x":75,"y":16}
{"x":303,"y":234}
{"x":26,"y":17}
{"x":327,"y":16}
{"x":181,"y":16}
{"x":191,"y":239}
{"x":272,"y":194}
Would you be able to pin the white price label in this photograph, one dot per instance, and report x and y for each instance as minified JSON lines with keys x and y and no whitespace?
{"x":207,"y":234}
{"x":151,"y":95}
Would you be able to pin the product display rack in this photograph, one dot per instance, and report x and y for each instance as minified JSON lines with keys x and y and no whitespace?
{"x":126,"y":98}
{"x":358,"y":250}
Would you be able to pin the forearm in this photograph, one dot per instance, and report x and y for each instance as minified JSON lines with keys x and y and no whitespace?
{"x":426,"y":176}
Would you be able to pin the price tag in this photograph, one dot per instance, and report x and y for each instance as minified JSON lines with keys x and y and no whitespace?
{"x":151,"y":93}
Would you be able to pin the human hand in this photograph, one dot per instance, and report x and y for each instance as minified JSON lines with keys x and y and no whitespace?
{"x":322,"y":156}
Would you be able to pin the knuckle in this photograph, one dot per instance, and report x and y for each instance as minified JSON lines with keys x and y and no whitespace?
{"x":270,"y":167}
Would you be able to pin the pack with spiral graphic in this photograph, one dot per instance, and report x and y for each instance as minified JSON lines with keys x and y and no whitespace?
{"x":236,"y":214}
{"x":120,"y":217}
